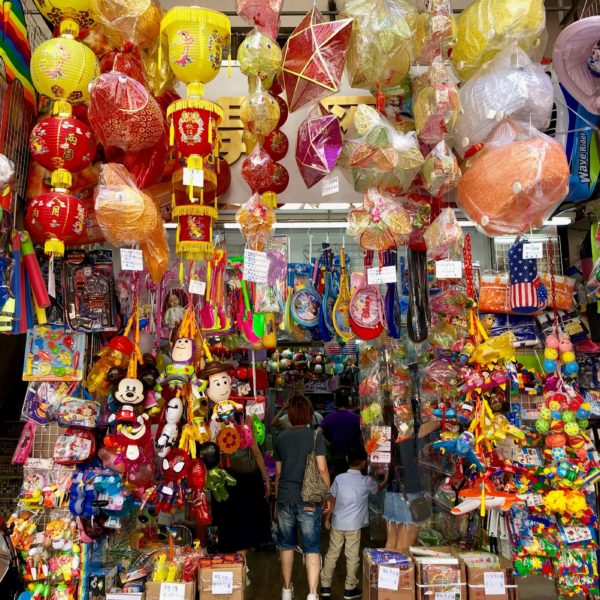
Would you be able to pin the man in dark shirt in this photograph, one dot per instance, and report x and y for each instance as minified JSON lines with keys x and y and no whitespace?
{"x":341,"y":430}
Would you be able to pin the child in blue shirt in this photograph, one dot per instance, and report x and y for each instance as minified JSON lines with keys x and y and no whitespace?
{"x":350,"y":494}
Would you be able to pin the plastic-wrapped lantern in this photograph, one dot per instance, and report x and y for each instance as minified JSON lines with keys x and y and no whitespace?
{"x":260,"y":59}
{"x":57,"y":11}
{"x":123,"y":113}
{"x":197,"y":39}
{"x":61,"y":141}
{"x":283,"y":110}
{"x":259,"y":113}
{"x":262,"y":14}
{"x":62,"y":68}
{"x":277,"y":144}
{"x":56,"y":218}
{"x":280,"y":181}
{"x":258,"y":170}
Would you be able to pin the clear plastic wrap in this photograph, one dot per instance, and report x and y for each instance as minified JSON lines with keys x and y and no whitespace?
{"x":256,"y":220}
{"x":515,"y":182}
{"x":260,"y":59}
{"x":122,"y":113}
{"x":377,"y":155}
{"x":435,"y":34}
{"x":262,"y":14}
{"x":510,"y":86}
{"x":444,"y":237}
{"x":7,"y":171}
{"x":440,"y":170}
{"x":435,"y":104}
{"x":380,"y":48}
{"x":258,"y":170}
{"x":313,"y":58}
{"x":488,"y":26}
{"x":128,"y":216}
{"x":259,"y":113}
{"x":383,"y":222}
{"x":318,"y":145}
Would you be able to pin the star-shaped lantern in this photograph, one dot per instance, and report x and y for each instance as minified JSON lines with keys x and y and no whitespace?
{"x":318,"y":146}
{"x":313,"y":58}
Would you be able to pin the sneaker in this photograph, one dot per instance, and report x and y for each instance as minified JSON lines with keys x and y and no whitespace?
{"x":287,"y":594}
{"x":325,"y":592}
{"x":312,"y":597}
{"x":352,"y":594}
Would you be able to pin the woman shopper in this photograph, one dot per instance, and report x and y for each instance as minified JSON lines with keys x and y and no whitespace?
{"x":290,"y":451}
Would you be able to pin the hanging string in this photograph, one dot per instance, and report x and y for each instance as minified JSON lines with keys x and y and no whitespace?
{"x":552,"y":284}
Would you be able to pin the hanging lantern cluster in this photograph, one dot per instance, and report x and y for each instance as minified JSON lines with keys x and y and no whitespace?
{"x":62,"y":69}
{"x":197,"y":39}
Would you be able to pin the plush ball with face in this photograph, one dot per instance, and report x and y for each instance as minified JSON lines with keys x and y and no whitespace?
{"x":175,"y":465}
{"x":130,"y":391}
{"x":183,"y":350}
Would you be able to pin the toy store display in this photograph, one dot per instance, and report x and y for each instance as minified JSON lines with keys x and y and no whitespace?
{"x":149,"y":373}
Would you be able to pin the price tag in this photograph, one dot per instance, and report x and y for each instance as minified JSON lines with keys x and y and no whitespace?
{"x":448,"y":269}
{"x":132,"y":260}
{"x":388,"y":579}
{"x":376,"y":275}
{"x":330,"y":185}
{"x":494,"y":583}
{"x":197,"y":287}
{"x":172,"y":591}
{"x":255,"y":408}
{"x":193,"y":177}
{"x":256,"y":266}
{"x":533,"y":250}
{"x":446,"y":595}
{"x":222,"y":582}
{"x":534,"y":500}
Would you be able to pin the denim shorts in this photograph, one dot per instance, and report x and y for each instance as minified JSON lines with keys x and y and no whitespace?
{"x":396,"y":509}
{"x":308,"y":516}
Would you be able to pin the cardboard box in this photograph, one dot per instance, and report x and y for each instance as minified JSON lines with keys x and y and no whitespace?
{"x":492,"y":583}
{"x":153,"y":590}
{"x":226,"y":576}
{"x":387,"y":575}
{"x":439,"y":575}
{"x":125,"y":596}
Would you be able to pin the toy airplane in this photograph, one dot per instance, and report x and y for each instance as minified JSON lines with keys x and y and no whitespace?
{"x":483,"y":495}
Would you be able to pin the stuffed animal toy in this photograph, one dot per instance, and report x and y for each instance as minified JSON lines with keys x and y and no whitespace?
{"x":172,"y":413}
{"x":181,"y":370}
{"x":168,"y":495}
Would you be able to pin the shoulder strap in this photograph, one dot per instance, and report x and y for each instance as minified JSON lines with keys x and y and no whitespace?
{"x":315,"y":440}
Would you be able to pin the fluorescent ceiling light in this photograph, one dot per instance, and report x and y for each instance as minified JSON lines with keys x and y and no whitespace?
{"x":554,"y":221}
{"x":300,"y":225}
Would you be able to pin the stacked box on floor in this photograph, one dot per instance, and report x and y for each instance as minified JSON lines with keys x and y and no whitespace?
{"x":439,"y":574}
{"x":222,"y":578}
{"x":489,"y":577}
{"x":156,"y":590}
{"x":387,"y":575}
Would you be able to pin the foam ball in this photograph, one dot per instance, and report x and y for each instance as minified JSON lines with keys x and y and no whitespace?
{"x":551,"y":353}
{"x":552,"y":342}
{"x":542,"y":426}
{"x":549,"y":365}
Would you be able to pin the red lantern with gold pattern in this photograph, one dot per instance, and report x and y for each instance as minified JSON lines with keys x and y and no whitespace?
{"x":62,"y":142}
{"x":280,"y":181}
{"x":194,"y":236}
{"x":56,"y":218}
{"x":276,"y":144}
{"x":258,"y":170}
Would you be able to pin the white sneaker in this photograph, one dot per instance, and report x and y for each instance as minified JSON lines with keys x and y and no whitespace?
{"x":312,"y":597}
{"x":287,"y":594}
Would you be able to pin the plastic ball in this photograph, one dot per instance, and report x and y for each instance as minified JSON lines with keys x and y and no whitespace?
{"x":542,"y":426}
{"x":546,"y":414}
{"x":552,"y":342}
{"x":568,"y":416}
{"x":556,"y":425}
{"x":570,"y":368}
{"x":549,"y":365}
{"x":260,"y":113}
{"x":551,"y":353}
{"x":583,"y":424}
{"x":568,"y":356}
{"x":571,"y":429}
{"x":555,"y":440}
{"x":584,"y":411}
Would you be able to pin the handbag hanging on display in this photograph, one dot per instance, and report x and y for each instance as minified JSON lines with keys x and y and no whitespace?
{"x":314,"y":489}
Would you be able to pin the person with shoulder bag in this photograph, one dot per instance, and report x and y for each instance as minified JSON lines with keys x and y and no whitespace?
{"x":302,"y":488}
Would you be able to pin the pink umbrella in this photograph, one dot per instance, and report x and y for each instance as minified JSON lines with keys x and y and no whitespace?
{"x":576,"y":58}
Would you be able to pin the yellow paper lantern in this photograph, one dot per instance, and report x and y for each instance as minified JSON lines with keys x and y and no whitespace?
{"x":488,"y":26}
{"x":197,"y":39}
{"x":57,"y":11}
{"x":62,"y":68}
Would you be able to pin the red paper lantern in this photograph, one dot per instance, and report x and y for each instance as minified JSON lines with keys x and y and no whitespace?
{"x":122,"y":113}
{"x":280,"y":181}
{"x":258,"y":170}
{"x":276,"y":144}
{"x":56,"y":219}
{"x":283,"y":111}
{"x":59,"y":142}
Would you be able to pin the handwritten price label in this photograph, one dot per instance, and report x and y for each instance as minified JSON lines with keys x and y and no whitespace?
{"x":132,"y":260}
{"x":172,"y":591}
{"x":222,"y":582}
{"x":446,"y":596}
{"x":388,"y":579}
{"x":448,"y":269}
{"x":376,"y":275}
{"x":494,"y":583}
{"x":197,"y":287}
{"x":533,"y":250}
{"x":330,"y":185}
{"x":256,"y":266}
